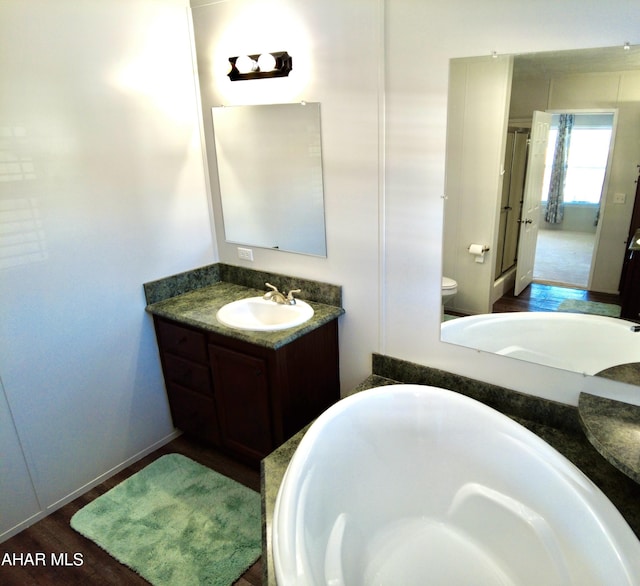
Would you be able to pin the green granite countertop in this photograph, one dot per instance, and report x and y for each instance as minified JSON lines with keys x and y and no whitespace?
{"x":613,"y":427}
{"x":198,"y":308}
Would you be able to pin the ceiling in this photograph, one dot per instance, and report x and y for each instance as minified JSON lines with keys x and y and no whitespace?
{"x":548,"y":64}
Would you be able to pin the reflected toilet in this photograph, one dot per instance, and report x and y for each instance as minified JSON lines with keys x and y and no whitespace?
{"x":449,"y":290}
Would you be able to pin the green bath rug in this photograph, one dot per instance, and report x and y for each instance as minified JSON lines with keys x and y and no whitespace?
{"x":177,"y":523}
{"x":592,"y":307}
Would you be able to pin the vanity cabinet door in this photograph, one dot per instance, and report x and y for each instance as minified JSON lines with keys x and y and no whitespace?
{"x":241,"y":383}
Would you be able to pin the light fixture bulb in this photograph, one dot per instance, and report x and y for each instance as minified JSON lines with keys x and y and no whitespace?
{"x":244,"y":64}
{"x":266,"y":62}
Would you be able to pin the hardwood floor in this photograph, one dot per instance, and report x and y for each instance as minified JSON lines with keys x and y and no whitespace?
{"x":54,"y":535}
{"x":539,"y":297}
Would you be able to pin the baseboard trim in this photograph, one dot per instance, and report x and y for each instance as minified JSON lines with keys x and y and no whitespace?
{"x":88,"y":486}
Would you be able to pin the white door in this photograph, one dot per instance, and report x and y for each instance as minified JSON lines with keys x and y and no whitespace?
{"x":532,"y":196}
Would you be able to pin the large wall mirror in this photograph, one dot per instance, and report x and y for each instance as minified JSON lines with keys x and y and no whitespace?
{"x":269,"y":160}
{"x":509,"y":117}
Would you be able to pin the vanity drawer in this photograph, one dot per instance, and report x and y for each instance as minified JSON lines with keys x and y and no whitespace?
{"x":193,"y":413}
{"x":187,"y":374}
{"x":182,"y":341}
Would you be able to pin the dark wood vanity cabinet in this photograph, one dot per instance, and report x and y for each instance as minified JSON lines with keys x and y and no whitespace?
{"x":246,"y":398}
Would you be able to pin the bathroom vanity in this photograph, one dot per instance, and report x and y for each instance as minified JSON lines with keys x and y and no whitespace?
{"x":245,"y":392}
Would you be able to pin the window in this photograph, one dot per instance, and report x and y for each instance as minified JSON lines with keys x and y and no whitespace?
{"x":588,"y":155}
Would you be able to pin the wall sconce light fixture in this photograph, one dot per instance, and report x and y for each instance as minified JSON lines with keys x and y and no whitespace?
{"x":260,"y":66}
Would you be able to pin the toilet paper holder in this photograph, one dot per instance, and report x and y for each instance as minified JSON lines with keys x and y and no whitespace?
{"x":485,"y":248}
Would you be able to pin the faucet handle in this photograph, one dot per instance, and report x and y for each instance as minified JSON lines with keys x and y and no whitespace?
{"x":290,"y":297}
{"x":269,"y":294}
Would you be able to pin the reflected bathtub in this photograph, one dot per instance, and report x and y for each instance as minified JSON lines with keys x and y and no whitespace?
{"x":415,"y":485}
{"x":587,"y":344}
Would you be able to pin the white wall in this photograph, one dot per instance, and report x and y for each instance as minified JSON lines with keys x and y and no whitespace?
{"x":101,"y":189}
{"x":336,"y":52}
{"x":429,"y":34}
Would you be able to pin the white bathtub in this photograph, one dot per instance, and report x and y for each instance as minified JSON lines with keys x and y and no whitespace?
{"x":412,"y":485}
{"x":581,"y":343}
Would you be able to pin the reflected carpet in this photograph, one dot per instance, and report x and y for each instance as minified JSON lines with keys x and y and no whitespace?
{"x":591,"y":307}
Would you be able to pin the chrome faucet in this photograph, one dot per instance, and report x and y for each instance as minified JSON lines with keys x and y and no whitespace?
{"x":278,"y":297}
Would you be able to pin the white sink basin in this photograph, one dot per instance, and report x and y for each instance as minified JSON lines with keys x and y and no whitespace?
{"x":256,"y":313}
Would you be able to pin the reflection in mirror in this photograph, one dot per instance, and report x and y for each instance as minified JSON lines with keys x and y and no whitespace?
{"x":542,"y":163}
{"x":269,"y":160}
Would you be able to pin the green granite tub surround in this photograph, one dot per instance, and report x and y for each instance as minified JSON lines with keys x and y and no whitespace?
{"x":507,"y":401}
{"x":558,"y":424}
{"x":613,"y":427}
{"x":625,"y":373}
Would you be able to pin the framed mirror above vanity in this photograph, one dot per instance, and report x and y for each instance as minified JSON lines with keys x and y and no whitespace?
{"x":269,"y":168}
{"x":491,"y":115}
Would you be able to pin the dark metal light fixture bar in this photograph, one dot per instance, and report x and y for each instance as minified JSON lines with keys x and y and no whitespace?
{"x":260,"y":66}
